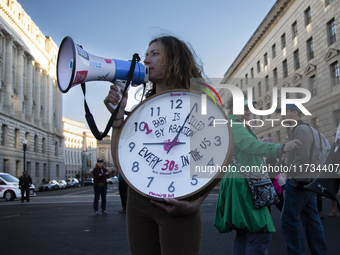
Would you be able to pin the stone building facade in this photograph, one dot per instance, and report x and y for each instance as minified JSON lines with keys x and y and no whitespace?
{"x":296,"y":45}
{"x":80,"y":149}
{"x":30,"y":101}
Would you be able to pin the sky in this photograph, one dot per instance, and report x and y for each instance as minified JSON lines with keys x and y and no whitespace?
{"x":217,"y":30}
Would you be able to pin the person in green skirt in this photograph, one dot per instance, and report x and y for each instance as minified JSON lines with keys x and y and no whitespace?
{"x":235,"y":209}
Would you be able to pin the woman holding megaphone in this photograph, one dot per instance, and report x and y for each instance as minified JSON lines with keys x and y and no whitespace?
{"x":173,"y":226}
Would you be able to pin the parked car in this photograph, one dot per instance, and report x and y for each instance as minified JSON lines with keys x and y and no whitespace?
{"x":62,"y":184}
{"x":72,"y":183}
{"x":49,"y":185}
{"x":9,"y":187}
{"x":112,"y":180}
{"x":88,"y":181}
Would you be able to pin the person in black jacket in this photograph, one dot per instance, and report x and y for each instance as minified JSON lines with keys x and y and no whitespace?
{"x":25,"y":182}
{"x":100,"y":174}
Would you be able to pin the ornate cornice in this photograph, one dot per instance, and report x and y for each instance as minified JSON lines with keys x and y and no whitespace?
{"x":276,"y":11}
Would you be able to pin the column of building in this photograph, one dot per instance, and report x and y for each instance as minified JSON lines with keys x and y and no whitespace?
{"x":28,"y":91}
{"x":8,"y":74}
{"x":37,"y":93}
{"x":44,"y":98}
{"x":19,"y":82}
{"x":50,"y":100}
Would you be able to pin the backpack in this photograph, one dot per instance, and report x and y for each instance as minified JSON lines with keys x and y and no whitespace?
{"x":320,"y":148}
{"x":317,"y":156}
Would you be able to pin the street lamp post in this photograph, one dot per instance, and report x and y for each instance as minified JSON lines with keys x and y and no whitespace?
{"x":24,"y":143}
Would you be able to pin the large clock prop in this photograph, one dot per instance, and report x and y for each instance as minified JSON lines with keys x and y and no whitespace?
{"x":167,"y":148}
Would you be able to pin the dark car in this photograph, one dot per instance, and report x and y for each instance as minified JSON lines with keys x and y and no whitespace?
{"x":88,"y":182}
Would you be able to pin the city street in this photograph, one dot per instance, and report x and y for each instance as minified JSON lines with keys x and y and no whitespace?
{"x":62,"y":222}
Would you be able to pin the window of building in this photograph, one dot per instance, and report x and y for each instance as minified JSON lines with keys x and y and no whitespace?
{"x":294,"y":30}
{"x":296,"y":59}
{"x":259,"y":88}
{"x":265,"y":59}
{"x":4,"y":135}
{"x":328,"y":2}
{"x":28,"y":168}
{"x":337,"y":118}
{"x":5,"y":165}
{"x":283,"y":41}
{"x":278,"y":136}
{"x":308,"y":16}
{"x":246,"y":77}
{"x":43,"y":145}
{"x":335,"y":73}
{"x":310,"y":49}
{"x":37,"y":169}
{"x":36,"y":143}
{"x":16,"y":138}
{"x":253,"y":91}
{"x":18,"y":168}
{"x":57,"y":170}
{"x":331,"y":32}
{"x":258,"y":66}
{"x":241,"y":84}
{"x":275,"y":76}
{"x":312,"y":85}
{"x":56,"y":149}
{"x":285,"y":69}
{"x":27,"y":137}
{"x":266,"y":82}
{"x":252,"y":73}
{"x":315,"y":123}
{"x":45,"y":170}
{"x":274,"y":50}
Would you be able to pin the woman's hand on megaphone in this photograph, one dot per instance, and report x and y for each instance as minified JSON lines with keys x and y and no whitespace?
{"x":114,"y":97}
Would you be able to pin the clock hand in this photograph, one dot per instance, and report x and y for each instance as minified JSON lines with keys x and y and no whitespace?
{"x":173,"y":142}
{"x":162,"y":143}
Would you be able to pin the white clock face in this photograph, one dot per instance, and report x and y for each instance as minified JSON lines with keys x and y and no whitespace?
{"x":167,"y":148}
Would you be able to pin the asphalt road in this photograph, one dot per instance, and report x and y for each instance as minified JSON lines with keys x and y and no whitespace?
{"x":62,"y":222}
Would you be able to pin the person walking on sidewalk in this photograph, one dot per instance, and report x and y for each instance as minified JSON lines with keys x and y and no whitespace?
{"x":100,"y":174}
{"x":25,"y":182}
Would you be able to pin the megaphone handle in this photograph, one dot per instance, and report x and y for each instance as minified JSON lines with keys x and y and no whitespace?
{"x":121,"y":86}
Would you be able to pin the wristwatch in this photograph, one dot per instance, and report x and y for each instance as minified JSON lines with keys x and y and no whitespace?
{"x":168,"y":148}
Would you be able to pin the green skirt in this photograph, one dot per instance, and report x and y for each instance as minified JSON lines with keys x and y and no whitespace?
{"x":235,"y":208}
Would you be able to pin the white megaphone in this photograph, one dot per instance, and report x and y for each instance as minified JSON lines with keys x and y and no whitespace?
{"x":76,"y":66}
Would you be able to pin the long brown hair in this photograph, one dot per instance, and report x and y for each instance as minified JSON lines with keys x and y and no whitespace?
{"x":181,"y":62}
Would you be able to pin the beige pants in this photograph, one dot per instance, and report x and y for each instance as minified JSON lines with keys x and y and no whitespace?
{"x":151,"y":230}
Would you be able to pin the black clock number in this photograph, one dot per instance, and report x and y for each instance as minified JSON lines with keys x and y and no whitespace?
{"x":151,"y":179}
{"x":171,"y":188}
{"x":178,"y":102}
{"x":132,"y":146}
{"x":218,"y":141}
{"x":194,"y":179}
{"x":212,"y":118}
{"x":140,"y":127}
{"x":211,"y":162}
{"x":135,"y":167}
{"x":159,"y":111}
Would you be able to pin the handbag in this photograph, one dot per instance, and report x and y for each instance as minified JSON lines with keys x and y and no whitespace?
{"x":261,"y":187}
{"x":100,"y":184}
